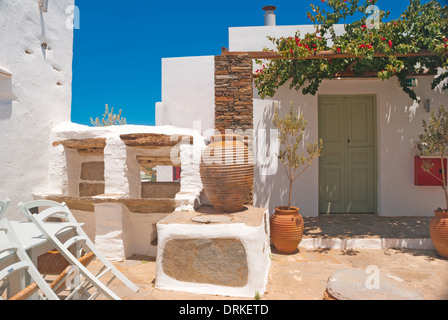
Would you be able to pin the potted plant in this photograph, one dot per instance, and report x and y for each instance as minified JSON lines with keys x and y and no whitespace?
{"x":286,"y":222}
{"x":434,"y":140}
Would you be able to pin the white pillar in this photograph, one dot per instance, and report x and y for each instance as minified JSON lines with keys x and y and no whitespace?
{"x":109,"y":230}
{"x":115,"y":167}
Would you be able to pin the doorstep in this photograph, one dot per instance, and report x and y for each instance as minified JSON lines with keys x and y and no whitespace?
{"x":366,"y":231}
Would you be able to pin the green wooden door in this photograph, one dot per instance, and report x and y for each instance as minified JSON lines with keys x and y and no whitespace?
{"x":347,"y":168}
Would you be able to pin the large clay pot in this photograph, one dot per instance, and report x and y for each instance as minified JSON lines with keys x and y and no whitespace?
{"x":286,"y":229}
{"x":227,"y":172}
{"x":438,"y":230}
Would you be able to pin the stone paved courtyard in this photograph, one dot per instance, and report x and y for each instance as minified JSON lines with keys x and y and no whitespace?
{"x":303,"y":275}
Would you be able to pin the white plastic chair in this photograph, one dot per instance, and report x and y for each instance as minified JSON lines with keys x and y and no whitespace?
{"x":11,"y":250}
{"x":78,"y":243}
{"x":52,"y":262}
{"x":26,"y":207}
{"x":3,"y":206}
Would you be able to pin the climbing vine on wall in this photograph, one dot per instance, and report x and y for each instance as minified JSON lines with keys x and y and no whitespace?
{"x":421,"y":28}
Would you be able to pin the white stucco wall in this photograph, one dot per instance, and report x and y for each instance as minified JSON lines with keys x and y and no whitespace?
{"x":41,"y":83}
{"x":115,"y":230}
{"x":121,"y":169}
{"x":399,"y":122}
{"x":188,"y":95}
{"x":255,"y":38}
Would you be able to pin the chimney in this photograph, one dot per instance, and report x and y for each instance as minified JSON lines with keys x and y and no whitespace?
{"x":269,"y":16}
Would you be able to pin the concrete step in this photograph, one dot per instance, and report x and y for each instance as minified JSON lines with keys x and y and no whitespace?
{"x":366,"y":231}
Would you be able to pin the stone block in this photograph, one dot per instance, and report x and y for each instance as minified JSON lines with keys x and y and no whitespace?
{"x":214,"y":261}
{"x":160,"y":190}
{"x":93,"y":171}
{"x":87,"y":189}
{"x":229,"y":258}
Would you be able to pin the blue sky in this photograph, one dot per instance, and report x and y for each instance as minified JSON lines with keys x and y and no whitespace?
{"x":120,"y":45}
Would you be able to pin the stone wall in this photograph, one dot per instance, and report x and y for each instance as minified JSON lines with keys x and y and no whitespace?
{"x":92,"y":179}
{"x":160,"y":190}
{"x":234,"y":95}
{"x":233,"y":92}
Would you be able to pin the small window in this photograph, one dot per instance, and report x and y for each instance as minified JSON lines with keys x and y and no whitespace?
{"x":159,"y":180}
{"x":6,"y":95}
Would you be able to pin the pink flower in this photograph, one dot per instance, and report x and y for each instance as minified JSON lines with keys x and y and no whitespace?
{"x":390,"y":43}
{"x":369,"y":46}
{"x":338,"y":49}
{"x":446,"y":39}
{"x":383,"y":39}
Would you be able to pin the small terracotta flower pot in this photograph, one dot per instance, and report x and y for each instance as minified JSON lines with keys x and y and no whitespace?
{"x":438,"y":230}
{"x":286,"y":229}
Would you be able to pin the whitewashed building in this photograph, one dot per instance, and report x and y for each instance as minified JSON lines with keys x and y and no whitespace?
{"x":379,"y":179}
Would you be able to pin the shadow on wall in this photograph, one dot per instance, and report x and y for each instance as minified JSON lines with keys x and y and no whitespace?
{"x":270,"y":182}
{"x":6,"y":97}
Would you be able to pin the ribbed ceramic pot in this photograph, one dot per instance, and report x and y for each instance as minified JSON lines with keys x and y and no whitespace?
{"x":438,"y":230}
{"x":286,"y":229}
{"x":227,"y":172}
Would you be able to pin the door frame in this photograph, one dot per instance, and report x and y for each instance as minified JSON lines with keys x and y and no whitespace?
{"x":375,"y":148}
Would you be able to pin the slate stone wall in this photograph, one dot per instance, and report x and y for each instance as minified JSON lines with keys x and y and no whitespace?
{"x":233,"y":92}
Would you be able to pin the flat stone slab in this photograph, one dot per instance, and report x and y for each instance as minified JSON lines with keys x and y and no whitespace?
{"x":213,"y":261}
{"x":369,"y":284}
{"x":211,"y":219}
{"x":250,"y":216}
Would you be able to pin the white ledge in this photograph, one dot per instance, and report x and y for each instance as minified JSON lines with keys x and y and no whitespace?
{"x":5,"y":71}
{"x":377,"y":243}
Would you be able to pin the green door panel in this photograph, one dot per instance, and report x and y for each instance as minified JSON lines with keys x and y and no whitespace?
{"x":361,"y":182}
{"x":332,"y":161}
{"x":360,"y":122}
{"x":347,"y":168}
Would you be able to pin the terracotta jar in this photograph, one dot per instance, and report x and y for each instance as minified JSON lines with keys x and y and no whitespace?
{"x":227,"y":172}
{"x":286,"y":229}
{"x":438,"y":229}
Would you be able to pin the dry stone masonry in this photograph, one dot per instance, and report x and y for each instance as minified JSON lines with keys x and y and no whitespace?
{"x":233,"y":92}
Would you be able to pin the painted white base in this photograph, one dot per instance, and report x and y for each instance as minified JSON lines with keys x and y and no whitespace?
{"x":255,"y":241}
{"x":384,"y":243}
{"x":109,"y":230}
{"x":121,"y":234}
